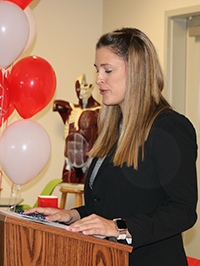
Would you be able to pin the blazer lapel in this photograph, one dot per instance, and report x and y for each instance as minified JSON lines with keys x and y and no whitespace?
{"x":93,"y":163}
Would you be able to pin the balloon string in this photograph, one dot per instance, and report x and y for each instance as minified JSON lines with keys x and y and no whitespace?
{"x":12,"y":208}
{"x":8,"y":111}
{"x":2,"y":111}
{"x":3,"y":73}
{"x":18,"y":188}
{"x":11,"y":193}
{"x":3,"y":70}
{"x":2,"y":98}
{"x":6,"y":73}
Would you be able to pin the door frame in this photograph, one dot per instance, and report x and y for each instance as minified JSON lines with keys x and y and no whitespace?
{"x":175,"y":48}
{"x":175,"y":54}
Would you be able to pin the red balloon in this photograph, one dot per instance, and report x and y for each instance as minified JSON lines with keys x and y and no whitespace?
{"x":32,"y":85}
{"x":6,"y":108}
{"x":21,"y":3}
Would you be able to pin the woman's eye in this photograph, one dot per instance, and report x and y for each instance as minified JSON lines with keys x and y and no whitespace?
{"x":108,"y":71}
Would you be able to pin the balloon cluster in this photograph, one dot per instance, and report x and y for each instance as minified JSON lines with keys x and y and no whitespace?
{"x":31,"y":83}
{"x":28,"y":87}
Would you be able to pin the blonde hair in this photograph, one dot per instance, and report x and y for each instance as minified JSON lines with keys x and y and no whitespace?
{"x":143,"y":98}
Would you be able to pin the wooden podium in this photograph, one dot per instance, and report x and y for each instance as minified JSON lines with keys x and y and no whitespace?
{"x":27,"y":243}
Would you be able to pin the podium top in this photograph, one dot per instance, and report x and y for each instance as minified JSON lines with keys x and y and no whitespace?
{"x":32,"y":219}
{"x":57,"y":228}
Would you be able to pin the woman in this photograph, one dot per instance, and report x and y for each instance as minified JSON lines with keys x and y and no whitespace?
{"x":143,"y":170}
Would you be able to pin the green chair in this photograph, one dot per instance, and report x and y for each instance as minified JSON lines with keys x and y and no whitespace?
{"x":47,"y":191}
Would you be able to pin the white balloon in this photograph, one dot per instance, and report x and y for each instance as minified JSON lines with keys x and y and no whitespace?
{"x":25,"y":149}
{"x":14,"y":32}
{"x":32,"y":27}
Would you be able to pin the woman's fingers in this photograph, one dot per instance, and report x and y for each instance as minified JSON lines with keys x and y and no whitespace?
{"x":53,"y":214}
{"x":90,"y":225}
{"x":45,"y":211}
{"x":94,"y":225}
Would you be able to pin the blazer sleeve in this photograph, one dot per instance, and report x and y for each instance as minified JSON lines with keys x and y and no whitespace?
{"x":82,"y":211}
{"x":174,"y":149}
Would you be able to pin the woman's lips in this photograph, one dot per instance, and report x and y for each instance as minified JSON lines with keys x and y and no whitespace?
{"x":102,"y":91}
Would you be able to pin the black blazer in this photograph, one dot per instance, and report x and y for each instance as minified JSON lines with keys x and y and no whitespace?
{"x":158,"y":201}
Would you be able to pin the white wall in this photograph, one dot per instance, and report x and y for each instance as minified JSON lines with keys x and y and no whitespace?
{"x":66,"y":35}
{"x":146,"y":15}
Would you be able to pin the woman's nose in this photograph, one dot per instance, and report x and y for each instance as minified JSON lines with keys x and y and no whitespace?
{"x":99,"y":79}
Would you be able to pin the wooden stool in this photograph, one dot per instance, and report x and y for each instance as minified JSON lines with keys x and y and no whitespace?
{"x":77,"y":189}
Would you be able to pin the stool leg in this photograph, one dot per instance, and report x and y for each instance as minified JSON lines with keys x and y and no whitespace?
{"x":63,"y":200}
{"x":78,"y":200}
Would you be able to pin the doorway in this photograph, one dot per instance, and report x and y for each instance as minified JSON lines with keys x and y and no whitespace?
{"x":182,"y":69}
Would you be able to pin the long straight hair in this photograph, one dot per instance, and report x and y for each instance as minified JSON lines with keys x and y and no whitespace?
{"x":143,"y":98}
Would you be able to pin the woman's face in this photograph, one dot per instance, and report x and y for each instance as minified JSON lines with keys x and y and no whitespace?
{"x":111,"y":76}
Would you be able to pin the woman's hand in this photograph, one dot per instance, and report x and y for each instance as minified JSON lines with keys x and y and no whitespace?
{"x":94,"y":225}
{"x":68,"y":216}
